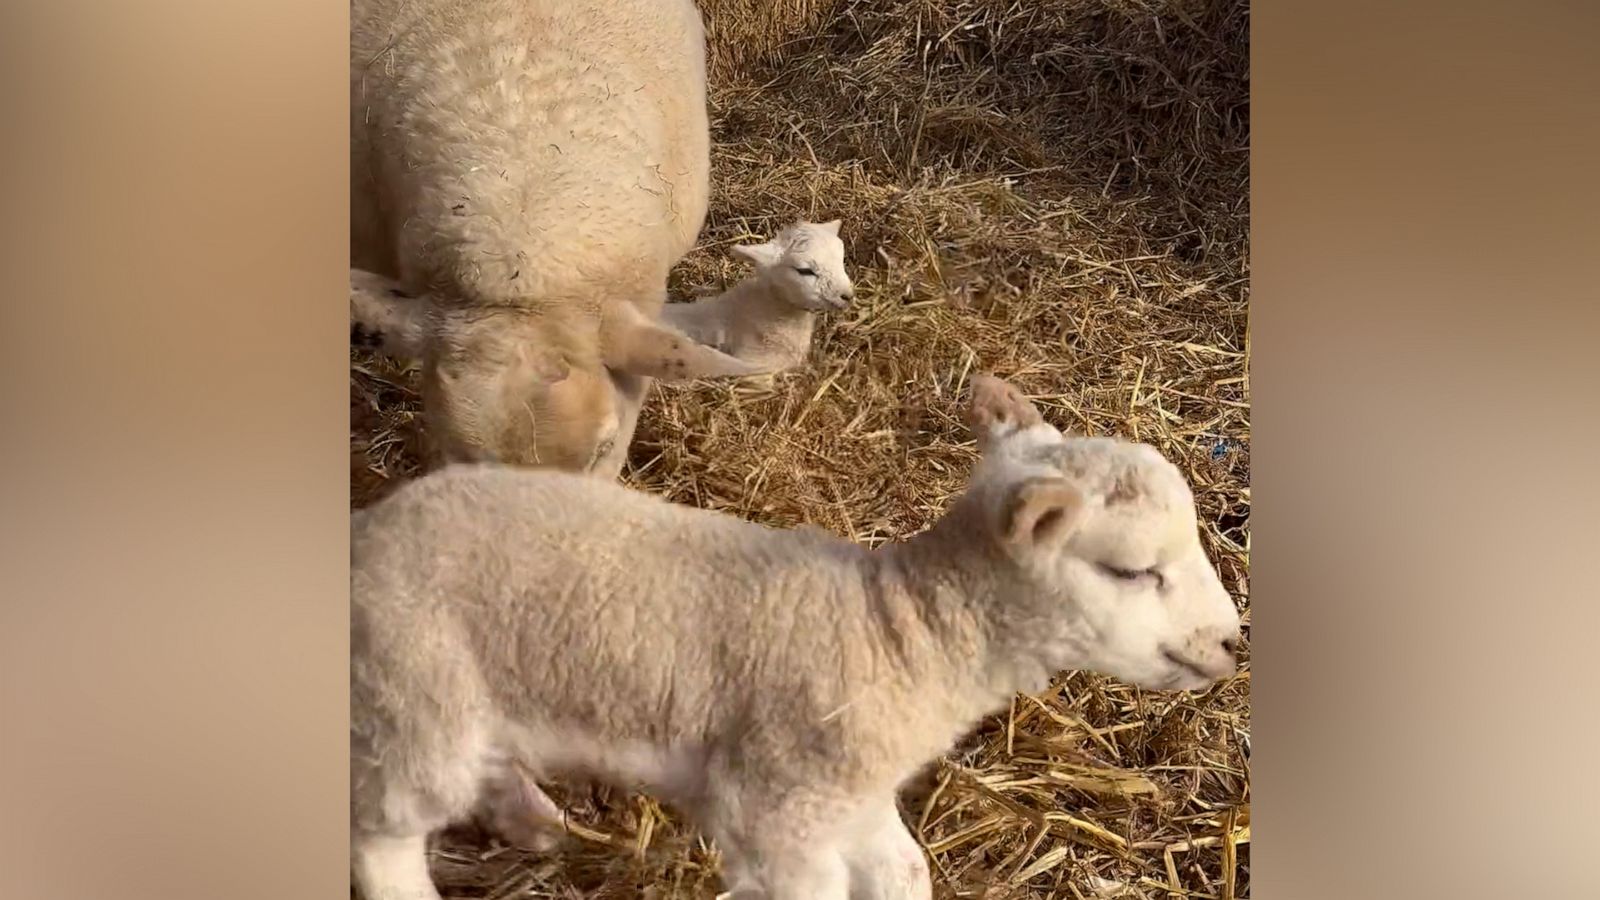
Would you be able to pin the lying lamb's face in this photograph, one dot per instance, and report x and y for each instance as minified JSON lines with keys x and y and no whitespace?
{"x":805,"y":264}
{"x":1107,"y":551}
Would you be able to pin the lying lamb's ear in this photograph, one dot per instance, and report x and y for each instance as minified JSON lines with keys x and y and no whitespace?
{"x":832,"y":227}
{"x":760,"y":255}
{"x":633,"y":344}
{"x":997,"y":410}
{"x":1040,"y":512}
{"x":385,"y":316}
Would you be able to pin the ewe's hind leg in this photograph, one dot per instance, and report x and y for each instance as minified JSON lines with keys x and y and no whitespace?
{"x":391,"y":868}
{"x":885,"y":861}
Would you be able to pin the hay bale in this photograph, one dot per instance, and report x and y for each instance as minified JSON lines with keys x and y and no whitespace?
{"x":1054,"y":189}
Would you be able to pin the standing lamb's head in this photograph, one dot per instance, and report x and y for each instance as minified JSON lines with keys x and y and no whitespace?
{"x":1106,"y":571}
{"x":804,"y":265}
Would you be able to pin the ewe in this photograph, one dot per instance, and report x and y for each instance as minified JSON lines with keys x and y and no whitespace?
{"x":536,"y":167}
{"x":767,"y":319}
{"x":510,"y":625}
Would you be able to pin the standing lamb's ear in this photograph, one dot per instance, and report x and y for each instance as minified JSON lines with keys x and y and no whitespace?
{"x":831,"y":227}
{"x":633,"y":344}
{"x":759,"y":255}
{"x":1040,"y":512}
{"x":998,"y":410}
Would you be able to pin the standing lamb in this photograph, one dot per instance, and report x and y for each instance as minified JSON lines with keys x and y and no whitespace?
{"x":537,"y":167}
{"x":776,"y":685}
{"x":768,"y":318}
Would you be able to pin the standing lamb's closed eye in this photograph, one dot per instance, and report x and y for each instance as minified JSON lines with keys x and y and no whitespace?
{"x":1152,"y":573}
{"x":511,"y":625}
{"x":768,"y":318}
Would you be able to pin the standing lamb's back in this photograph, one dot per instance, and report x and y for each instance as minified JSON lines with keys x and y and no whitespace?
{"x":536,"y":167}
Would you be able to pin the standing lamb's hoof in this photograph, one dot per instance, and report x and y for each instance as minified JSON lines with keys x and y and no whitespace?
{"x":526,"y":835}
{"x":523,"y":815}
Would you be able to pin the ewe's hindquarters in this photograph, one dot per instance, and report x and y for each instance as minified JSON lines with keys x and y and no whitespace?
{"x":512,"y":149}
{"x":535,"y":166}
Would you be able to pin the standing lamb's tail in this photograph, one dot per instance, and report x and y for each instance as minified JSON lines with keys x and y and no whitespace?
{"x":385,"y":317}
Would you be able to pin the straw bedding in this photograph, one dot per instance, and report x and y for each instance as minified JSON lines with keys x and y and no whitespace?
{"x":1054,"y":190}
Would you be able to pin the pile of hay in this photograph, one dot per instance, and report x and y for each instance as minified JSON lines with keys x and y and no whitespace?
{"x":1055,"y":190}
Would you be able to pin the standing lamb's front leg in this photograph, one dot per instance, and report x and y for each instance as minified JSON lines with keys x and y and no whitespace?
{"x":778,"y":864}
{"x":885,"y":861}
{"x":777,"y":849}
{"x":391,"y":867}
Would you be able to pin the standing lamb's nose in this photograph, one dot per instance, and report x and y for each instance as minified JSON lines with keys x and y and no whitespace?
{"x":1230,"y":644}
{"x":847,"y":294}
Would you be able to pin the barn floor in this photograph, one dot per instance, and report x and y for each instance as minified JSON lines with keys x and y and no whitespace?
{"x":1054,"y":191}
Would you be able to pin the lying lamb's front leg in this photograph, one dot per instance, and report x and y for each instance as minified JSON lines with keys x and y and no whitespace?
{"x":885,"y":861}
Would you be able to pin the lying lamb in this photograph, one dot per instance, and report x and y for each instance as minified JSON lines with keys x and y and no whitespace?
{"x":777,"y":686}
{"x":537,"y":167}
{"x":767,"y":319}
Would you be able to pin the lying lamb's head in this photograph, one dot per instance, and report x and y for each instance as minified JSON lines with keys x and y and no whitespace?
{"x":559,"y":388}
{"x":804,"y":264}
{"x":1108,"y":573}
